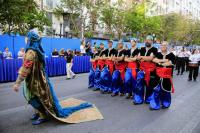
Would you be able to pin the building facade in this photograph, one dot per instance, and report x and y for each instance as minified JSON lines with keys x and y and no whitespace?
{"x":60,"y":25}
{"x":183,"y":7}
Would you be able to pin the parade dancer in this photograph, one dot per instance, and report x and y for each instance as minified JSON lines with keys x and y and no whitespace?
{"x":100,"y":66}
{"x":118,"y":74}
{"x":106,"y":74}
{"x":162,"y":92}
{"x":131,"y":71}
{"x":93,"y":68}
{"x":147,"y":67}
{"x":38,"y":90}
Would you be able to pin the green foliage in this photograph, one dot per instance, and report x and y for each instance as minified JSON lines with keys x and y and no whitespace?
{"x":88,"y":34}
{"x":107,"y":13}
{"x":176,"y":27}
{"x":20,"y":15}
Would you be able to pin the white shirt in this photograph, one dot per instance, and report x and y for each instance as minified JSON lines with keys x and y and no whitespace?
{"x":7,"y":54}
{"x":21,"y":54}
{"x":195,"y":58}
{"x":174,"y":52}
{"x":181,"y":54}
{"x":187,"y":54}
{"x":82,"y":49}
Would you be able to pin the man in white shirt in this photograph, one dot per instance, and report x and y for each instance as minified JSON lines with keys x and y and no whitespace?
{"x":193,"y":65}
{"x":21,"y":53}
{"x":181,"y":61}
{"x":187,"y":55}
{"x":82,"y":49}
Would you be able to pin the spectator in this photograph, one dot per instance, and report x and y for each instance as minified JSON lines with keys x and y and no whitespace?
{"x":77,"y":53}
{"x":69,"y":64}
{"x":82,"y":48}
{"x":1,"y":55}
{"x":62,"y":52}
{"x":7,"y":54}
{"x":55,"y":53}
{"x":193,"y":65}
{"x":95,"y":45}
{"x":187,"y":55}
{"x":88,"y":49}
{"x":21,"y":53}
{"x":126,"y":47}
{"x":181,"y":61}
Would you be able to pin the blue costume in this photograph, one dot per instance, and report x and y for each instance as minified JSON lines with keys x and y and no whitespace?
{"x":118,"y":75}
{"x":92,"y":72}
{"x":138,"y":97}
{"x":162,"y":92}
{"x":106,"y":74}
{"x":38,"y":89}
{"x":148,"y":69}
{"x":131,"y":73}
{"x":106,"y":80}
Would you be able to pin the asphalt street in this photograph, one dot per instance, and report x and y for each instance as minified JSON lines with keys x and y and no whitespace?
{"x":120,"y":115}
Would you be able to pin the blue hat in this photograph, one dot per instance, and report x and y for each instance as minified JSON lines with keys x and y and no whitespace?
{"x":149,"y":37}
{"x":133,"y":40}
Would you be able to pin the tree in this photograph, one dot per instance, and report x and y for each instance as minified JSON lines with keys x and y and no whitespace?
{"x":93,"y":8}
{"x":194,"y":33}
{"x":137,"y":22}
{"x":179,"y":28}
{"x":106,"y":17}
{"x":79,"y":11}
{"x":20,"y":15}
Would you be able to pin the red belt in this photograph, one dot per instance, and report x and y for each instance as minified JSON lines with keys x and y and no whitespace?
{"x":121,"y":66}
{"x":147,"y":67}
{"x":94,"y":65}
{"x":101,"y":64}
{"x":133,"y":66}
{"x":165,"y":73}
{"x":110,"y":65}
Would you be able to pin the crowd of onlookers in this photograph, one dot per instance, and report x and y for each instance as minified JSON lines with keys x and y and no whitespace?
{"x":187,"y":60}
{"x":8,"y":55}
{"x":85,"y":49}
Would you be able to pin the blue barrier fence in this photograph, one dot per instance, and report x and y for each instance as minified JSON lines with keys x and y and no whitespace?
{"x":14,"y":43}
{"x":55,"y":66}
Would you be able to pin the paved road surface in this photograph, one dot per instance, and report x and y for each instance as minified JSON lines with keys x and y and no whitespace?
{"x":121,"y":116}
